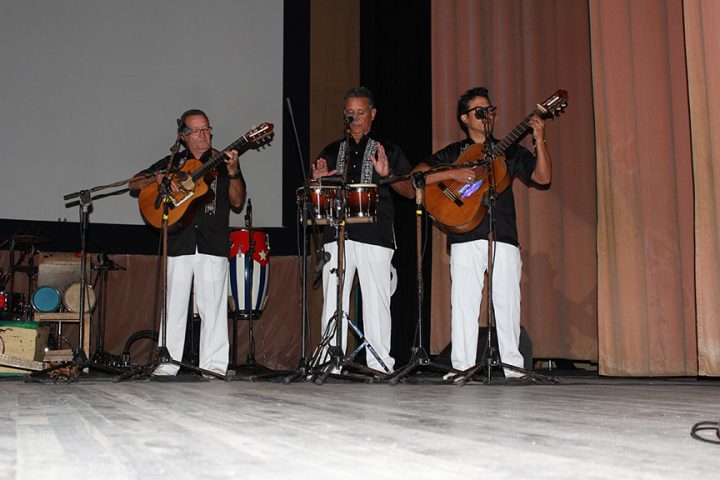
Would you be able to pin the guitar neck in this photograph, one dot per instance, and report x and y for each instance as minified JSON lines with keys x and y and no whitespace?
{"x":512,"y":137}
{"x":213,"y":162}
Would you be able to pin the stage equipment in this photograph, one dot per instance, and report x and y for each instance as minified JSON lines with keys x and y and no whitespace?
{"x":330,"y":359}
{"x":13,"y":305}
{"x":100,"y":357}
{"x":419,"y":356}
{"x":70,"y":370}
{"x":249,"y":281}
{"x":324,"y":203}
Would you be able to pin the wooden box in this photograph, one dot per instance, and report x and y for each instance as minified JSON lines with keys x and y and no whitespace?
{"x":26,"y":340}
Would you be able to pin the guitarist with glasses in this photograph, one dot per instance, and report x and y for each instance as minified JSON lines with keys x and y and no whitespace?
{"x":469,"y":248}
{"x":198,"y":250}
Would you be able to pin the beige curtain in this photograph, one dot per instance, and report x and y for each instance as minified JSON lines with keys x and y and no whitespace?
{"x":646,"y":295}
{"x":702,"y":38}
{"x":523,"y":51}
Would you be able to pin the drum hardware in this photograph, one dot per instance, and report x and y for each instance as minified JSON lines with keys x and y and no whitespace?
{"x":328,"y":359}
{"x":103,"y":266}
{"x":419,"y":356}
{"x":325,"y":204}
{"x":249,"y":279}
{"x":19,"y":308}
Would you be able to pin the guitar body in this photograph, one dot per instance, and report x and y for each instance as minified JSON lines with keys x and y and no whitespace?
{"x":183,"y":202}
{"x":459,"y":207}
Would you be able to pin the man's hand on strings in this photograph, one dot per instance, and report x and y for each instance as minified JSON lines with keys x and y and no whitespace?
{"x":463,"y":175}
{"x":232,"y":162}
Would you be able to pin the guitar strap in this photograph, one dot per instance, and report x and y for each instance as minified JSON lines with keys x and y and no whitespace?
{"x":211,"y":206}
{"x":366,"y":170}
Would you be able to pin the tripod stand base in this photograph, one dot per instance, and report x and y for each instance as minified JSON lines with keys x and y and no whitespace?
{"x":527,"y":377}
{"x":163,"y":357}
{"x":419,"y":360}
{"x":341,"y":366}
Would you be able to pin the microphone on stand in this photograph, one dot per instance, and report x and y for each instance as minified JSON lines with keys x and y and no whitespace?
{"x":317,"y":274}
{"x":348,"y":121}
{"x":248,"y":214}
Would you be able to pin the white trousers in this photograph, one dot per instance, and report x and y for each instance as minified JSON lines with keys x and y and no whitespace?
{"x":373,"y":266}
{"x":210,"y":275}
{"x":468,"y":264}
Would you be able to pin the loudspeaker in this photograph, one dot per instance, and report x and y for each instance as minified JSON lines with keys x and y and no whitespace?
{"x":525,"y":348}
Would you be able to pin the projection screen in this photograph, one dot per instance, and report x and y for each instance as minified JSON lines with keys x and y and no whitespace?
{"x":91,"y":90}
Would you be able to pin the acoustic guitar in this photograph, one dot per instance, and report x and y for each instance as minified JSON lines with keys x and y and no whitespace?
{"x":192,"y":180}
{"x":459,"y":207}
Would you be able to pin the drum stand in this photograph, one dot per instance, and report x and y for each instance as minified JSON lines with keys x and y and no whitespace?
{"x":257,"y":371}
{"x":338,"y":360}
{"x":100,"y":356}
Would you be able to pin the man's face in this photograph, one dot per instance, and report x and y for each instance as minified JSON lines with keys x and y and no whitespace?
{"x":359,"y":108}
{"x":470,"y":118}
{"x":198,"y":141}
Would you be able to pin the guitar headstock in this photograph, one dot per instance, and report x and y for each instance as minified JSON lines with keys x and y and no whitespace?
{"x":260,"y":135}
{"x":554,"y":105}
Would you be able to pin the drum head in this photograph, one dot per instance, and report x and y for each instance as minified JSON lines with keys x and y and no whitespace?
{"x":71,"y":298}
{"x":45,"y":300}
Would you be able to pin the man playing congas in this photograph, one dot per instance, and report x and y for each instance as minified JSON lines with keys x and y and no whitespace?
{"x":363,"y":161}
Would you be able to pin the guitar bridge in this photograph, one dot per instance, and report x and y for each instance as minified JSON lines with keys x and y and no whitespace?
{"x":186,"y":196}
{"x":449,"y":193}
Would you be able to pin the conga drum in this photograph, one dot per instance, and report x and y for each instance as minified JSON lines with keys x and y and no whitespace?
{"x":249,"y":298}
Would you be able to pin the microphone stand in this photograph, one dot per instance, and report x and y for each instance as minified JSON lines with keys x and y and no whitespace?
{"x":80,"y":360}
{"x":419,"y":356}
{"x":162,"y":355}
{"x":303,"y":367}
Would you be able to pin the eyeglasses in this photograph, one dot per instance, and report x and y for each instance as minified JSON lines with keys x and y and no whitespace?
{"x":483,"y":112}
{"x":355,"y":113}
{"x":200,"y":131}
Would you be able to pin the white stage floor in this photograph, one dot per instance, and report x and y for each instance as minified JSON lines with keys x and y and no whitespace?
{"x":582,"y":428}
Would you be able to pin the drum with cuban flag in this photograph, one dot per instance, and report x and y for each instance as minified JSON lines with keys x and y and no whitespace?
{"x":249,"y":297}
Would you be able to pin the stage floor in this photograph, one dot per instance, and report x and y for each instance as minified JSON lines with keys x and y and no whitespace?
{"x":585,"y":427}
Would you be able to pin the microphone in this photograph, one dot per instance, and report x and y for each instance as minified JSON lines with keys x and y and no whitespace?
{"x":183,"y":128}
{"x":319,"y":268}
{"x":348,"y":120}
{"x":248,"y":214}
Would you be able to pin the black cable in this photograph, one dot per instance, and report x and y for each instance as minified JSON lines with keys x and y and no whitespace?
{"x":703,"y":426}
